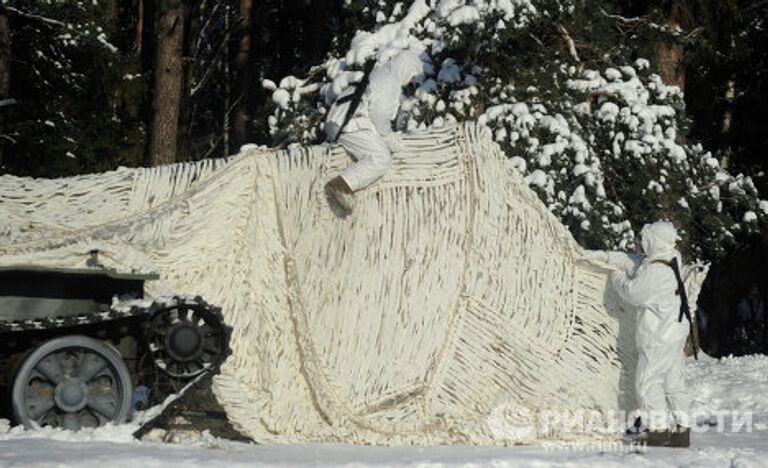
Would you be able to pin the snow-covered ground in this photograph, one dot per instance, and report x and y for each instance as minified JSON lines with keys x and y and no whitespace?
{"x":718,"y":387}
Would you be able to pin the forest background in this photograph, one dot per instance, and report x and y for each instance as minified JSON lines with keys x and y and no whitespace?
{"x":616,"y":112}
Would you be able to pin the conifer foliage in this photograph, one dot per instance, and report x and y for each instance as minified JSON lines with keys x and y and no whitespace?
{"x":572,"y":95}
{"x":614,"y":112}
{"x":73,"y":91}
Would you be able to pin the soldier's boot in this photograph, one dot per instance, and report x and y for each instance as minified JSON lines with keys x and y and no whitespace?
{"x":338,"y":189}
{"x":680,"y":437}
{"x":653,"y":438}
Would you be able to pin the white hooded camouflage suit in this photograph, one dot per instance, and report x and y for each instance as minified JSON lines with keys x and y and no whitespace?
{"x":368,"y":136}
{"x":649,"y":287}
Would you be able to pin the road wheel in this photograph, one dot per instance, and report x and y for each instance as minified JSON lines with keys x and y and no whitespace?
{"x":71,"y":382}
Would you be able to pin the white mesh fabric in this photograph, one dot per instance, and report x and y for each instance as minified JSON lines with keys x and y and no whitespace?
{"x":449,"y":293}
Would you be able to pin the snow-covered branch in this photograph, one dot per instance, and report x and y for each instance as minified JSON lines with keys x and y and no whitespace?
{"x":197,"y":86}
{"x":568,"y":42}
{"x":32,"y":16}
{"x":622,"y":19}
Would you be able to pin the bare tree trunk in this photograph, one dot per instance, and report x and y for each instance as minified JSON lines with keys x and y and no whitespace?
{"x":5,"y":71}
{"x":5,"y":56}
{"x":192,"y":35}
{"x":114,"y":14}
{"x":765,"y":321}
{"x":139,"y":27}
{"x":727,"y":122}
{"x":725,"y":125}
{"x":669,"y":56}
{"x":168,"y":81}
{"x":243,"y":65}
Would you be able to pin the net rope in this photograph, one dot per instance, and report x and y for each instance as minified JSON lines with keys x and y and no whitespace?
{"x":449,"y":307}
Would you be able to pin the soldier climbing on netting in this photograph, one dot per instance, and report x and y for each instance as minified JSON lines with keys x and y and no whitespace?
{"x":652,"y":284}
{"x":361,"y":121}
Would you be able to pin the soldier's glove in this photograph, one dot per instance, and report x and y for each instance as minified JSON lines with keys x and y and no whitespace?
{"x":394,"y":142}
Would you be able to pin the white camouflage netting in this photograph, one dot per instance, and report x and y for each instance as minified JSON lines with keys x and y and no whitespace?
{"x":450,"y":293}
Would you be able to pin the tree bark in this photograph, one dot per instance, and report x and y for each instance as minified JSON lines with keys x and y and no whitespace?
{"x":138,"y":34}
{"x":669,"y":56}
{"x":226,"y":126}
{"x":5,"y":56}
{"x":5,"y":71}
{"x":168,"y":81}
{"x":192,"y":34}
{"x":726,"y":124}
{"x":243,"y":70}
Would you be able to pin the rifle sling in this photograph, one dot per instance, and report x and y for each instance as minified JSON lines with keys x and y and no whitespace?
{"x":685,"y":310}
{"x":355,"y":97}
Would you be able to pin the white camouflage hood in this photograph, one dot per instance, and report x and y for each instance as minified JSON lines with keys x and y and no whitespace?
{"x":408,"y":65}
{"x":659,"y":239}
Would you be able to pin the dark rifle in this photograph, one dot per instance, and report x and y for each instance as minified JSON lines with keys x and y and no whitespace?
{"x":685,"y":310}
{"x":356,"y":97}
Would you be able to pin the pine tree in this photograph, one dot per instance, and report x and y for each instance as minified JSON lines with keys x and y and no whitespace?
{"x":73,"y":90}
{"x":168,"y":80}
{"x":570,"y":95}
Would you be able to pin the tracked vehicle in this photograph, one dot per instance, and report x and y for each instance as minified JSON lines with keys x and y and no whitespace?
{"x":81,"y":347}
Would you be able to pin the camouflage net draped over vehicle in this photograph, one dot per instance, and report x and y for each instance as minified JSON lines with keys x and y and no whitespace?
{"x":450,"y":305}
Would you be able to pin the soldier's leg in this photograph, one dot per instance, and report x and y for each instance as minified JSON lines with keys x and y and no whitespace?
{"x":678,"y":398}
{"x":372,"y":154}
{"x":649,"y":387}
{"x":674,"y":383}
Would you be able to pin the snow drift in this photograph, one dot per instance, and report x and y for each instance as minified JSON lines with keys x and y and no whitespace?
{"x":450,"y":293}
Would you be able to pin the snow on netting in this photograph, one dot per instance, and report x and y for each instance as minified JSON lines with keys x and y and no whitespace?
{"x":450,"y":293}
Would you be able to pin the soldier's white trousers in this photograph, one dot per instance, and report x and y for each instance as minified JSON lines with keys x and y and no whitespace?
{"x":660,"y":385}
{"x":373,"y":158}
